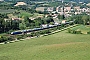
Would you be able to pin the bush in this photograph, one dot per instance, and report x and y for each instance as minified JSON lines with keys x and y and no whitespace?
{"x":33,"y":34}
{"x":88,"y":32}
{"x":69,"y":30}
{"x":55,"y":28}
{"x":21,"y":36}
{"x":62,"y":25}
{"x":59,"y":27}
{"x":10,"y":38}
{"x":78,"y":32}
{"x":3,"y":39}
{"x":73,"y":31}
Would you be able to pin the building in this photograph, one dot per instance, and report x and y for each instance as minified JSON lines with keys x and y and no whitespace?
{"x":58,"y":9}
{"x":63,"y":21}
{"x":50,"y":9}
{"x":40,"y":9}
{"x":44,"y":25}
{"x":67,"y":9}
{"x":77,"y":8}
{"x":20,"y":4}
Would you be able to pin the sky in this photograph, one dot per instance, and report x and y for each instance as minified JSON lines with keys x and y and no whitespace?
{"x":1,"y":0}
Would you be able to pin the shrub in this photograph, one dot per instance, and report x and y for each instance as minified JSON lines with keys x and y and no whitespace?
{"x":88,"y":32}
{"x":10,"y":38}
{"x":33,"y":34}
{"x":78,"y":32}
{"x":59,"y":27}
{"x":3,"y":39}
{"x":62,"y":25}
{"x":73,"y":31}
{"x":69,"y":30}
{"x":19,"y":37}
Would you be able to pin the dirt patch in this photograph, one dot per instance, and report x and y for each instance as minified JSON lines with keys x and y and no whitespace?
{"x":62,"y":45}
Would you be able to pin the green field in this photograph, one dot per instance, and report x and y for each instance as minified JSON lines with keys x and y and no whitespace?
{"x":24,"y":13}
{"x":59,"y":46}
{"x":7,"y":11}
{"x":82,"y":28}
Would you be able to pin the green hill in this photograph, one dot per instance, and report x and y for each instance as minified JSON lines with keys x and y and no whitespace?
{"x":59,"y":46}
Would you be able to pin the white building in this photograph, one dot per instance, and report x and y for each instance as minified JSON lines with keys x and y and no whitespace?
{"x":20,"y":3}
{"x":40,"y":9}
{"x":50,"y":9}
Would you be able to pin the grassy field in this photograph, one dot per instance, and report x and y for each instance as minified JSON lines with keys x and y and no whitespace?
{"x":7,"y":11}
{"x":24,"y":13}
{"x":59,"y":46}
{"x":82,"y":28}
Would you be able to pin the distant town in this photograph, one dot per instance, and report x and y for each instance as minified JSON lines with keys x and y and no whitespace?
{"x":24,"y":17}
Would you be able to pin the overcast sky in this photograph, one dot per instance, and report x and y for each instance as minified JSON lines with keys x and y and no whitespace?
{"x":1,"y":0}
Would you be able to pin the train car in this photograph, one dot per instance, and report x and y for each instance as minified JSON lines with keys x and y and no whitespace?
{"x":16,"y":32}
{"x":67,"y":22}
{"x":36,"y":29}
{"x":29,"y":30}
{"x":24,"y":31}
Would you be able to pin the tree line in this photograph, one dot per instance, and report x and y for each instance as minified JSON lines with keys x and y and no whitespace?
{"x":81,"y":19}
{"x":10,"y":25}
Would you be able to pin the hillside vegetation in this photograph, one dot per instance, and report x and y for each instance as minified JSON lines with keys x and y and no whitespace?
{"x":84,"y":29}
{"x":50,"y":0}
{"x":59,"y":46}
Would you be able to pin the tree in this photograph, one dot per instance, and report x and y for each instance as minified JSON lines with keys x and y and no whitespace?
{"x":89,"y":19}
{"x":22,"y":25}
{"x":48,"y":20}
{"x":61,"y":16}
{"x":85,"y":19}
{"x":14,"y":25}
{"x":7,"y":25}
{"x":27,"y":21}
{"x":2,"y":25}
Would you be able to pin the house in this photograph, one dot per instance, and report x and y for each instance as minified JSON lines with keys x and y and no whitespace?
{"x":63,"y":21}
{"x":44,"y":25}
{"x":31,"y":18}
{"x":58,"y":9}
{"x":67,"y":9}
{"x":77,"y":8}
{"x":40,"y":9}
{"x":50,"y":9}
{"x":20,"y":4}
{"x":16,"y":19}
